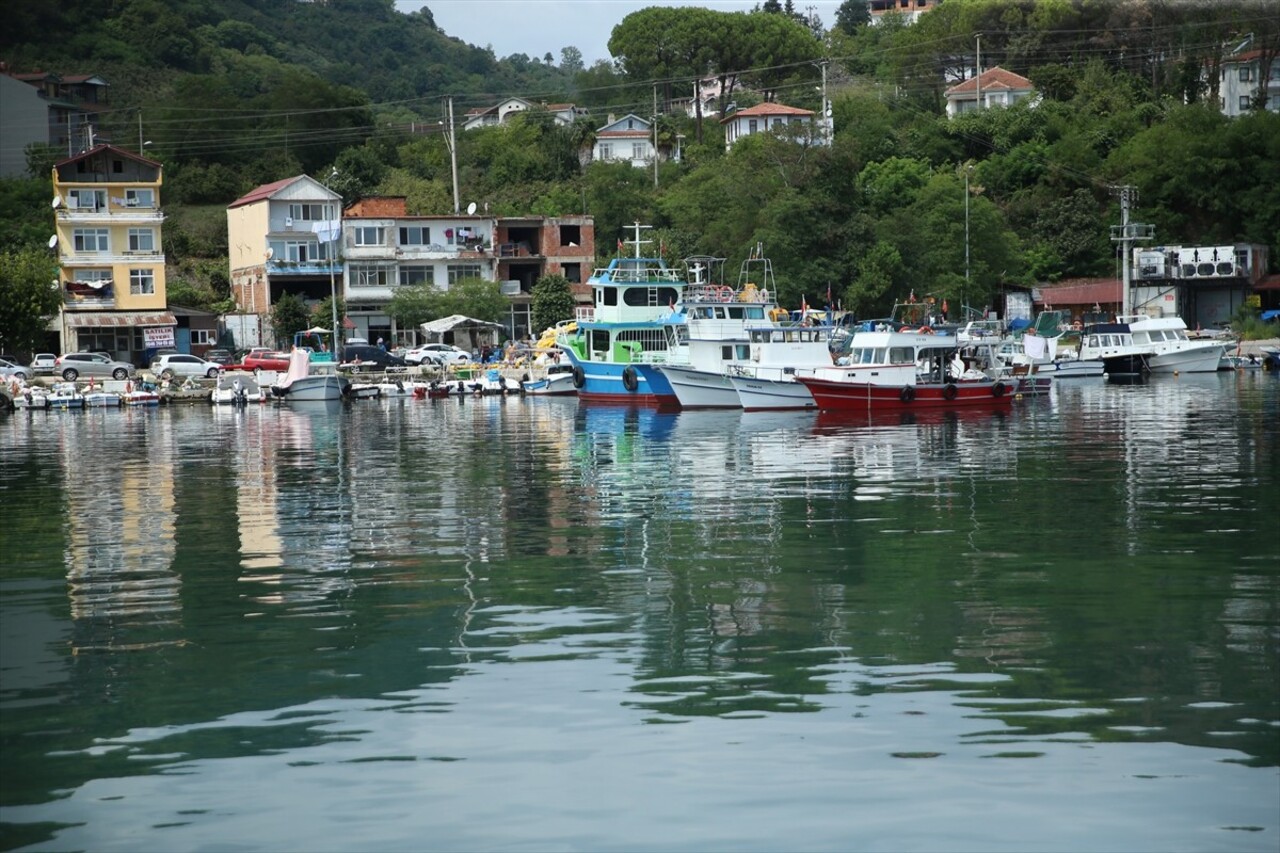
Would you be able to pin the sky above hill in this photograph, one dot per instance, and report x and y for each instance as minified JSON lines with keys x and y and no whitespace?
{"x":538,"y":27}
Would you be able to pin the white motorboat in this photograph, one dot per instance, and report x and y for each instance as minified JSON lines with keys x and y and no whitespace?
{"x":300,"y":385}
{"x":558,"y":382}
{"x":237,"y":389}
{"x":1171,"y":350}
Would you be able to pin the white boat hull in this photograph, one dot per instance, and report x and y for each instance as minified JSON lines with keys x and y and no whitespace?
{"x":556,"y":384}
{"x":701,"y":389}
{"x":1089,"y":368}
{"x":1188,"y":359}
{"x":757,"y":395}
{"x":311,"y":389}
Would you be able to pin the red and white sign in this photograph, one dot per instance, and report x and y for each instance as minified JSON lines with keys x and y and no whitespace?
{"x":155,"y":337}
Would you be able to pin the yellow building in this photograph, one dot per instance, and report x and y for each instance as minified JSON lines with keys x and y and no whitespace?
{"x":110,"y":255}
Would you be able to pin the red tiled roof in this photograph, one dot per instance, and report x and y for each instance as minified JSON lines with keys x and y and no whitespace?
{"x":114,"y":150}
{"x":617,"y":134}
{"x":1081,"y":291}
{"x":992,"y":78}
{"x":264,"y":191}
{"x":767,"y":110}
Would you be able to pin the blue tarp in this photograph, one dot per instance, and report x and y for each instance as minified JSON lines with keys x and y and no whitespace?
{"x":1018,"y":325}
{"x":1268,"y":316}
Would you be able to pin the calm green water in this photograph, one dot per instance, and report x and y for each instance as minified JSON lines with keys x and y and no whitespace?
{"x":511,"y":624}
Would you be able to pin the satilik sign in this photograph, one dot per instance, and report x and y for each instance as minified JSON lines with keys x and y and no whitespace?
{"x":156,"y":337}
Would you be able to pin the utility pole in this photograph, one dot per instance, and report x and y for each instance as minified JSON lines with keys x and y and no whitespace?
{"x":1127,"y":234}
{"x":655,"y":135}
{"x":453,"y":156}
{"x":977,"y":79}
{"x":826,"y":105}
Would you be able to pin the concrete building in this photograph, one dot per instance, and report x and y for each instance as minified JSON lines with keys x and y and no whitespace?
{"x":110,"y":256}
{"x":45,"y":108}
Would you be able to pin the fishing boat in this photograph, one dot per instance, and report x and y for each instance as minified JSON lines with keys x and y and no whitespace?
{"x":768,"y":380}
{"x":623,"y":328}
{"x":65,"y":395}
{"x":904,"y":370}
{"x":30,"y":397}
{"x":708,"y":330}
{"x":558,"y":382}
{"x":300,"y":385}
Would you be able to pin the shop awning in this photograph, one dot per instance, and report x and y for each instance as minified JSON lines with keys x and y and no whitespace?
{"x":91,"y":319}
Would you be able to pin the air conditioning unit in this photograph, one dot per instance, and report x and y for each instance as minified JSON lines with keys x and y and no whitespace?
{"x":288,"y":223}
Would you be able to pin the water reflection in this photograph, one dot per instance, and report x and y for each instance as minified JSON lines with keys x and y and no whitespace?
{"x":424,"y":596}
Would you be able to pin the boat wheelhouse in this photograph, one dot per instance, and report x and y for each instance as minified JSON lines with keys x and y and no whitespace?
{"x":624,"y":328}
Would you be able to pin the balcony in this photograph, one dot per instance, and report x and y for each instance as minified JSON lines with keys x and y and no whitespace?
{"x":83,"y":294}
{"x":300,"y":268}
{"x":105,"y":259}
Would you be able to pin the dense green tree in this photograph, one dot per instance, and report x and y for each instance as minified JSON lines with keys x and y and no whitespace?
{"x":29,"y":296}
{"x":413,"y":306}
{"x":851,"y":15}
{"x":475,"y":298}
{"x":289,"y":314}
{"x":552,"y":301}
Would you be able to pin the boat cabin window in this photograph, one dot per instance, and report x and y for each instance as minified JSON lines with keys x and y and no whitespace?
{"x":640,"y":297}
{"x":599,"y":340}
{"x":606,"y":296}
{"x":900,"y":355}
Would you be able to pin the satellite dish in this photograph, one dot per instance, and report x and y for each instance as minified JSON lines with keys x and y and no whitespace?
{"x":57,"y":202}
{"x":53,"y":241}
{"x":471,"y":209}
{"x":270,"y":252}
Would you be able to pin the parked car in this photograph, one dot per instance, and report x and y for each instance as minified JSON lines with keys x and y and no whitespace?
{"x":264,"y":359}
{"x":76,"y":364}
{"x":44,"y":363}
{"x":219,"y":356}
{"x":183,"y":364}
{"x":363,"y":357}
{"x":8,"y":370}
{"x":440,"y":354}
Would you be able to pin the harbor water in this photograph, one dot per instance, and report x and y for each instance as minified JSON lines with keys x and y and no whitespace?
{"x":537,"y":624}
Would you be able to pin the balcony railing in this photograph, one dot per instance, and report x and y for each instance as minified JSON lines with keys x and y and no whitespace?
{"x":316,"y":267}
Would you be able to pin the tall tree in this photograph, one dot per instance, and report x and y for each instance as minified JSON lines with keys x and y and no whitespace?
{"x":29,"y":296}
{"x":851,"y":15}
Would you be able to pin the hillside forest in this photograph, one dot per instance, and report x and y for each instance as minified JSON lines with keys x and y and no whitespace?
{"x":231,"y":94}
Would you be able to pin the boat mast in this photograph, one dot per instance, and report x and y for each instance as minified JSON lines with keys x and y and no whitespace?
{"x":1126,"y":235}
{"x":636,"y":241}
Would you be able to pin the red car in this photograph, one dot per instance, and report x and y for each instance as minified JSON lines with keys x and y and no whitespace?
{"x":262,"y":359}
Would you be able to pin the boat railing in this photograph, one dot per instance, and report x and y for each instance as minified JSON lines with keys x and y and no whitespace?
{"x":584,"y":313}
{"x":637,"y":275}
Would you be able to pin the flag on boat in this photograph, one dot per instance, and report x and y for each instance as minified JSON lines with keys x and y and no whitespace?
{"x":619,"y":244}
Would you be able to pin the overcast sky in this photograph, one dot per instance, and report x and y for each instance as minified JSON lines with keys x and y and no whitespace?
{"x":538,"y":27}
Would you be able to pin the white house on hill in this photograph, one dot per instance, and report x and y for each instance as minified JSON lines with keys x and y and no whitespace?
{"x":776,"y":117}
{"x":625,"y":140}
{"x":994,"y":87}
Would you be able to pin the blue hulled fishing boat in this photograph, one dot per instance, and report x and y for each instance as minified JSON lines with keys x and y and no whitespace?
{"x":623,"y":330}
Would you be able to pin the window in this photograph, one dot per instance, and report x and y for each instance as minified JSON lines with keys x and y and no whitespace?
{"x":606,"y":151}
{"x":1245,"y":102}
{"x":142,"y":240}
{"x":117,"y":166}
{"x":457,"y":272}
{"x":139,"y":198}
{"x":311,"y":212}
{"x":87,"y":200}
{"x":1246,"y":73}
{"x":638,"y":150}
{"x":204,"y":337}
{"x":91,"y":240}
{"x":298,"y":251}
{"x":415,"y":275}
{"x":369,"y":276}
{"x":141,"y":282}
{"x":415,"y":235}
{"x":752,"y":126}
{"x":368,"y":235}
{"x":570,"y":235}
{"x":573,"y":272}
